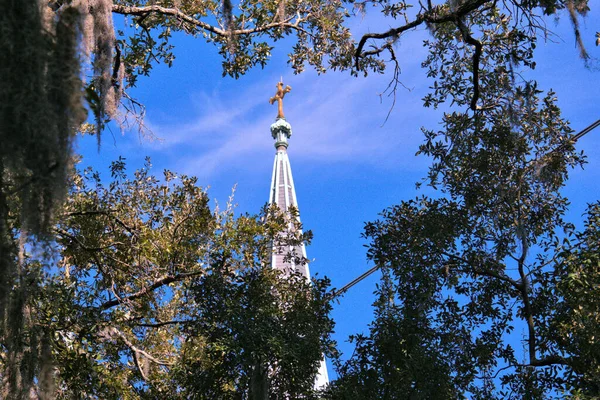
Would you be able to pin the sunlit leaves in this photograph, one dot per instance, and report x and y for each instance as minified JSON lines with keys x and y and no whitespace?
{"x":244,"y":36}
{"x":148,"y":289}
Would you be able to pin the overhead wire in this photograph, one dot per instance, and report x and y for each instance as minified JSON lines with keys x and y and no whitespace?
{"x":586,"y":131}
{"x":342,"y":290}
{"x":579,"y":135}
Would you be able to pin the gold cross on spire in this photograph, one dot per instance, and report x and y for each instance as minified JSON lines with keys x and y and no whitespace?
{"x":279,"y":97}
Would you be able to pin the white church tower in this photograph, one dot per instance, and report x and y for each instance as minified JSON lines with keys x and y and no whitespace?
{"x":283,"y":193}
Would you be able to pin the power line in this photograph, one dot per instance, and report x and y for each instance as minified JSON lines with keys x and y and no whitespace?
{"x":586,"y":131}
{"x":578,"y":136}
{"x":355,"y":281}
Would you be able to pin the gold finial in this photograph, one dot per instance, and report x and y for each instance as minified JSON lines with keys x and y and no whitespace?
{"x":279,"y":97}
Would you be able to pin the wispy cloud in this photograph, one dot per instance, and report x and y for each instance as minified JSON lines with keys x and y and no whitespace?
{"x":334,"y":117}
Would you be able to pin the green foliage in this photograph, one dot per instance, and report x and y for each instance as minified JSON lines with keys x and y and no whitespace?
{"x":488,"y":258}
{"x":403,"y":356}
{"x":148,"y":293}
{"x":574,"y":327}
{"x":257,"y":332}
{"x":256,"y":336}
{"x":243,"y":32}
{"x":144,"y":292}
{"x":466,"y":273}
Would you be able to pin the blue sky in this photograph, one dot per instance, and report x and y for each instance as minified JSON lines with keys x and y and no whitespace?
{"x":348,"y":162}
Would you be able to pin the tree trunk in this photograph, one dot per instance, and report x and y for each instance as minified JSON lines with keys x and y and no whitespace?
{"x":259,"y":382}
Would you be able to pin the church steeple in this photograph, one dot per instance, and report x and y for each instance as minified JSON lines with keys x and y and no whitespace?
{"x":283,"y":193}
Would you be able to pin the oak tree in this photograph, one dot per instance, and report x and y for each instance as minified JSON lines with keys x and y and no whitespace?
{"x":473,"y":300}
{"x":145,"y":292}
{"x":461,"y":270}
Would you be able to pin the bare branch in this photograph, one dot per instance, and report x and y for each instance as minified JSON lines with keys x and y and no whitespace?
{"x":430,"y":16}
{"x":393,"y":85}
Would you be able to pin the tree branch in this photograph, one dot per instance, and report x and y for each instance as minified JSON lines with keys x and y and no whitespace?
{"x":394,"y":32}
{"x":479,"y":270}
{"x":145,"y":10}
{"x":108,"y":213}
{"x":161,"y":324}
{"x":111,"y":332}
{"x":430,"y":16}
{"x":92,"y":251}
{"x":476,"y":57}
{"x":95,"y":212}
{"x":67,"y":235}
{"x":524,"y":290}
{"x":163,"y":281}
{"x":547,"y":361}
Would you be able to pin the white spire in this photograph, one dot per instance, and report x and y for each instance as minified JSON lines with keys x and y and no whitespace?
{"x":283,"y":193}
